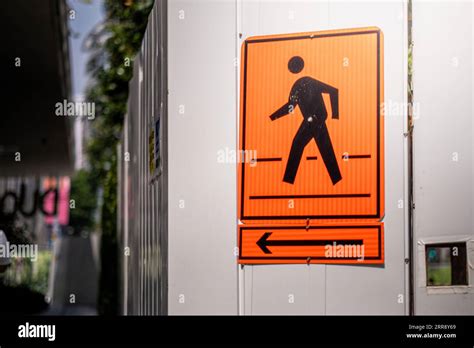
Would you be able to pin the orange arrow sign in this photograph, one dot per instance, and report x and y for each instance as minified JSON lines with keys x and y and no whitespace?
{"x":351,"y":243}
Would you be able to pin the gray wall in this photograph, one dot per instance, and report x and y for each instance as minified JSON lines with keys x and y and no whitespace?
{"x":194,"y":269}
{"x":202,"y":196}
{"x":336,"y":289}
{"x":443,"y":75}
{"x":202,"y":234}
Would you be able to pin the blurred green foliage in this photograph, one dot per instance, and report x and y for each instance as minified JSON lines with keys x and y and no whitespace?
{"x":113,"y":50}
{"x":439,"y":276}
{"x":84,"y":194}
{"x":33,"y":275}
{"x":16,"y":230}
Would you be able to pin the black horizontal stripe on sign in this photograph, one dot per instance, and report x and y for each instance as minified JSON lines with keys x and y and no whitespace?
{"x":356,"y":156}
{"x":348,"y":195}
{"x":269,"y":159}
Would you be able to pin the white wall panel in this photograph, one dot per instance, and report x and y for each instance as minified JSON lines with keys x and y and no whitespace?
{"x":202,"y":233}
{"x":376,"y":290}
{"x":336,"y":289}
{"x":193,"y":226}
{"x":443,"y":138}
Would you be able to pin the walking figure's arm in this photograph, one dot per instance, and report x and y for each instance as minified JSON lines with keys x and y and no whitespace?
{"x":334,"y":96}
{"x":286,"y":109}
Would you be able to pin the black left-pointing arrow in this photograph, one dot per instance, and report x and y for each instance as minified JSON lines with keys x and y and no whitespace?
{"x":264,"y":243}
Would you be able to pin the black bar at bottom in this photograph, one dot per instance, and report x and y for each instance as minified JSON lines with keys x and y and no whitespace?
{"x":290,"y":330}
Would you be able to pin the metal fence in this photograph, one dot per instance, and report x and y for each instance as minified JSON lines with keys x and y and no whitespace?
{"x":142,"y":192}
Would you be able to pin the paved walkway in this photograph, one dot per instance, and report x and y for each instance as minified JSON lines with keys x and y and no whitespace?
{"x":74,"y":281}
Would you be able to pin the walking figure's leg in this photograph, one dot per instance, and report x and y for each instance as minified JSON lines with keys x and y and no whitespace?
{"x":323,"y":141}
{"x":302,"y":138}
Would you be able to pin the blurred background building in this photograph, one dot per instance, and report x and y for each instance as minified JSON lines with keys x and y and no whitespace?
{"x":40,"y":150}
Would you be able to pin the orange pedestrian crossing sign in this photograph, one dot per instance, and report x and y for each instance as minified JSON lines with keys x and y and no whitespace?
{"x":311,"y":127}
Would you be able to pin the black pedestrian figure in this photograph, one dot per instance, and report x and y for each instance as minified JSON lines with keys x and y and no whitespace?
{"x":307,"y":94}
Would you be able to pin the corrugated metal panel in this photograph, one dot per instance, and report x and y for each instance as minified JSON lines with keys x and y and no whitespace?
{"x":144,"y":197}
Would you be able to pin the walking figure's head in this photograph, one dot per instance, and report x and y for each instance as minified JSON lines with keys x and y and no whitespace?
{"x":296,"y":64}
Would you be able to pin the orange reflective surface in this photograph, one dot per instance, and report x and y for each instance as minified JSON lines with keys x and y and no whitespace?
{"x":347,"y":244}
{"x":350,"y":61}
